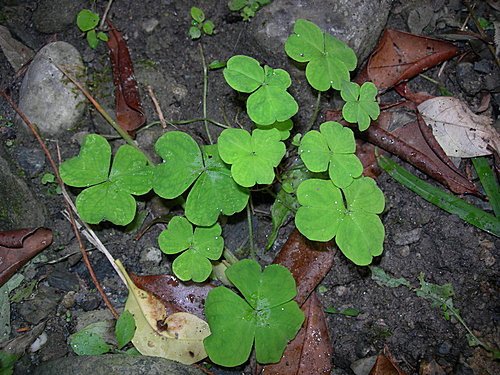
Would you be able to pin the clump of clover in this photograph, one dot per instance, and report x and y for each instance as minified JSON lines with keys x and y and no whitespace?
{"x":331,"y":198}
{"x":88,"y":21}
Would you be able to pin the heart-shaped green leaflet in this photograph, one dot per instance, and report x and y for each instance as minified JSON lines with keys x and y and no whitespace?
{"x":109,"y":197}
{"x":269,"y":316}
{"x":329,"y":59}
{"x":361,"y":105}
{"x":253,"y":157}
{"x":357,"y":228}
{"x":283,"y":127}
{"x":197,"y":247}
{"x":269,"y":101}
{"x":214,"y":190}
{"x":332,"y":149}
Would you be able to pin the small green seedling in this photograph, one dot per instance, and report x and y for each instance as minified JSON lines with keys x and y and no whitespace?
{"x":329,"y":60}
{"x":7,"y":362}
{"x":247,"y":8}
{"x":199,"y":25}
{"x":213,"y":191}
{"x":267,"y":315}
{"x":91,"y":339}
{"x":361,"y":106}
{"x":269,"y":100}
{"x":49,"y":180}
{"x":87,"y":21}
{"x":198,"y":248}
{"x":252,"y":156}
{"x":108,"y":194}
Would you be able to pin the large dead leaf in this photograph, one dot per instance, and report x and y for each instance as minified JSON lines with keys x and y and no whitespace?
{"x":17,"y":247}
{"x":385,"y":365}
{"x":178,"y":337}
{"x":129,"y":113}
{"x":400,"y":56}
{"x":308,"y":261}
{"x":459,"y":131}
{"x":311,"y":351}
{"x":175,"y":294}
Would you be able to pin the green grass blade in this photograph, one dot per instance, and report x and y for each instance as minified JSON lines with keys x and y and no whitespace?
{"x":443,"y":200}
{"x":489,"y":182}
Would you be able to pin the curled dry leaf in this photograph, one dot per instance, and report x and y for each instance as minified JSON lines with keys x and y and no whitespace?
{"x":459,"y":131}
{"x":308,"y":261}
{"x":385,"y":365}
{"x":129,"y":113}
{"x":400,"y":56}
{"x":178,"y":337}
{"x":310,"y":352}
{"x":17,"y":247}
{"x":175,"y":294}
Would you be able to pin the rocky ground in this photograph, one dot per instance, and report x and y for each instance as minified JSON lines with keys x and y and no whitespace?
{"x":420,"y":238}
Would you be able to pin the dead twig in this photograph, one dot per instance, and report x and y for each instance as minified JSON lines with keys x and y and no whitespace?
{"x":157,"y":107}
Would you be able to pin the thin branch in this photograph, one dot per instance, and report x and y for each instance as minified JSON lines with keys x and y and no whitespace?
{"x":157,"y":107}
{"x":105,"y":14}
{"x":61,"y":184}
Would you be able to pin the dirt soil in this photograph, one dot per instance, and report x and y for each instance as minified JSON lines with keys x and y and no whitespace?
{"x":420,"y":238}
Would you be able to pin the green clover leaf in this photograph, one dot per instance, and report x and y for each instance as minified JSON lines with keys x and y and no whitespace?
{"x":253,"y":157}
{"x":87,"y":20}
{"x":269,"y":101}
{"x":269,"y":317}
{"x":329,"y":59}
{"x":332,"y":149}
{"x":109,"y":193}
{"x":357,"y":228}
{"x":197,"y":247}
{"x":214,"y":191}
{"x":283,"y":127}
{"x":361,"y":105}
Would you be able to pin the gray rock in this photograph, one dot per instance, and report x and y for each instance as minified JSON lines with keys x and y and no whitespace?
{"x":53,"y":16}
{"x":407,"y":238}
{"x":468,"y":79}
{"x":18,"y":206}
{"x":31,"y":160}
{"x":356,"y":22}
{"x":115,"y":364}
{"x":41,"y":306}
{"x":46,"y":96}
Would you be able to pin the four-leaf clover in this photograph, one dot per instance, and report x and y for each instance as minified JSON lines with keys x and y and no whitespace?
{"x":214,"y":191}
{"x":197,"y":247}
{"x":109,"y":193}
{"x":356,"y":226}
{"x":329,"y":59}
{"x":332,"y":149}
{"x":269,"y":101}
{"x":361,"y":105}
{"x":253,"y":156}
{"x":268,"y":315}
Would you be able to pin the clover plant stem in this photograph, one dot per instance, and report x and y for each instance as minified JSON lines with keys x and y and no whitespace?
{"x":315,"y":113}
{"x":205,"y":90}
{"x":229,"y":256}
{"x":250,"y":229}
{"x":126,"y":137}
{"x":489,"y":182}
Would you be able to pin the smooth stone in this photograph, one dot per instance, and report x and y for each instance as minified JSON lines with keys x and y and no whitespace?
{"x":115,"y":364}
{"x":18,"y":207}
{"x":54,"y":16}
{"x":407,"y":238}
{"x":359,"y":23}
{"x":31,"y":160}
{"x":46,"y":97}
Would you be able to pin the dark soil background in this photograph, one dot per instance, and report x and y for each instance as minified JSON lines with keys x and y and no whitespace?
{"x":420,"y":238}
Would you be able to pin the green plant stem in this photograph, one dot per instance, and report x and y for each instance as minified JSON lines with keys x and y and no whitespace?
{"x":126,"y":137}
{"x":489,"y":182}
{"x":205,"y":90}
{"x":250,"y":229}
{"x":443,"y":200}
{"x":184,"y":122}
{"x":229,"y":256}
{"x":315,"y":113}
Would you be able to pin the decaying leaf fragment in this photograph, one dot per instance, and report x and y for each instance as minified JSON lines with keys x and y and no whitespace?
{"x":459,"y":131}
{"x":178,"y":337}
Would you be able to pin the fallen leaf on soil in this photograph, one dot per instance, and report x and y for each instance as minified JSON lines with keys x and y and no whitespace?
{"x":311,"y":351}
{"x":308,"y":261}
{"x":431,"y":368}
{"x":17,"y":247}
{"x":400,"y":56}
{"x":175,"y":294}
{"x":16,"y":53}
{"x":129,"y":113}
{"x":178,"y":337}
{"x":20,"y":344}
{"x":459,"y":131}
{"x":385,"y":365}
